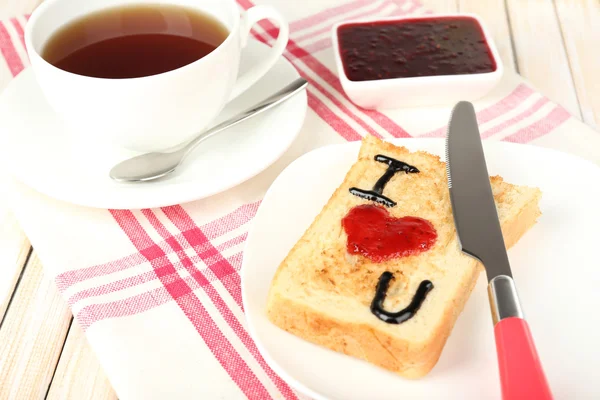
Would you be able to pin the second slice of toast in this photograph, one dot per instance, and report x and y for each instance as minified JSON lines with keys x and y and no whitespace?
{"x":323,"y":290}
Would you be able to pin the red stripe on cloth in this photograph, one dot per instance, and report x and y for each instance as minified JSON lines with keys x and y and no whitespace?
{"x":504,"y":105}
{"x":326,"y":74}
{"x":202,"y":246}
{"x":236,"y":260}
{"x":193,"y":308}
{"x":111,"y":287}
{"x":516,"y":97}
{"x":224,"y":272}
{"x":346,"y":131}
{"x":213,"y":229}
{"x":233,"y":242}
{"x":19,"y":30}
{"x":322,"y":71}
{"x":198,"y":240}
{"x":139,"y":303}
{"x":326,"y":14}
{"x":338,"y":124}
{"x":343,"y":108}
{"x":69,"y":278}
{"x":8,"y":51}
{"x":327,"y":28}
{"x":553,"y":120}
{"x":319,"y":45}
{"x":148,"y":276}
{"x":225,"y":224}
{"x":535,"y":107}
{"x":133,"y":305}
{"x":136,"y":304}
{"x":332,"y":119}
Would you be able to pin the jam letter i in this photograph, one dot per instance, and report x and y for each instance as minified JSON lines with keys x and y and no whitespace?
{"x":376,"y":194}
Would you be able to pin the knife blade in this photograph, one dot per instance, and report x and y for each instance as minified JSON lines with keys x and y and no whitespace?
{"x":480,"y":236}
{"x":473,"y":206}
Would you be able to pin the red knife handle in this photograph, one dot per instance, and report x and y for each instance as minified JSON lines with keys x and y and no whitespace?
{"x":521,"y":372}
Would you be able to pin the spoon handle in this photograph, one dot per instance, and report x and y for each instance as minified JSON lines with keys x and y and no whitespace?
{"x":264,"y":105}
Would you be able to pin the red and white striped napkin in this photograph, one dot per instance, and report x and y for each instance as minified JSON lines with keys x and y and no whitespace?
{"x":157,"y":291}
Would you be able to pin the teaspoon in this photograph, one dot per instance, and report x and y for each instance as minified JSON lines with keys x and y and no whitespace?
{"x":150,"y":166}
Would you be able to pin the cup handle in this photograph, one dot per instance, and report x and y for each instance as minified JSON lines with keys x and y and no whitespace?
{"x":251,"y":17}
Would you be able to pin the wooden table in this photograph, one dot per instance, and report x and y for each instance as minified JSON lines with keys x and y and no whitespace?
{"x":553,"y":44}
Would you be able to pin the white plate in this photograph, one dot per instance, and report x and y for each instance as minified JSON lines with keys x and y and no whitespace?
{"x":555,"y":266}
{"x":38,"y":151}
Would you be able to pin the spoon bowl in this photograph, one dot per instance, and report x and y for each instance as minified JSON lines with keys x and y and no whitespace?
{"x":145,"y":167}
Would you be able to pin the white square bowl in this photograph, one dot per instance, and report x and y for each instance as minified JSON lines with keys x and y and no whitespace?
{"x":418,"y":91}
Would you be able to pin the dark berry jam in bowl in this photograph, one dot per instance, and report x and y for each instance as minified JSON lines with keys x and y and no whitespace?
{"x":415,"y":61}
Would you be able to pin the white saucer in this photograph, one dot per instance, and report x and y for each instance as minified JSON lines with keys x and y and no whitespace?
{"x":37,"y":150}
{"x":555,"y":267}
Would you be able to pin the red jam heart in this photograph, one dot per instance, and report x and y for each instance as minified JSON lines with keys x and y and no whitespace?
{"x":373,"y":233}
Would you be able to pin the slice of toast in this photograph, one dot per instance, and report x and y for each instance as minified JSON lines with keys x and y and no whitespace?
{"x":323,"y":293}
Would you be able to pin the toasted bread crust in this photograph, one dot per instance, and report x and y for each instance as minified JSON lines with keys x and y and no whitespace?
{"x":362,"y":335}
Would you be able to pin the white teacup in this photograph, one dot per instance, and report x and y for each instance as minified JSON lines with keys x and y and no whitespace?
{"x":154,"y":112}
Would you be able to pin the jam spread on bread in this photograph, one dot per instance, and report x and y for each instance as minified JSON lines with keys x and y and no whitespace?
{"x":399,"y":316}
{"x":375,"y":234}
{"x":413,"y":48}
{"x":376,"y":194}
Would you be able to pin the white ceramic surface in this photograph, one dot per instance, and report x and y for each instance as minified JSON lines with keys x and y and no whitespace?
{"x":555,"y":266}
{"x":417,"y":91}
{"x":36,"y":148}
{"x":154,"y":112}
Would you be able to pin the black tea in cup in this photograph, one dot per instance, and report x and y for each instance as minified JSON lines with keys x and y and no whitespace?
{"x":134,"y":41}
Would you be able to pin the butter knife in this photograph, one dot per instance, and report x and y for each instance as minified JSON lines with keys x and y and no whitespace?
{"x":480,"y":236}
